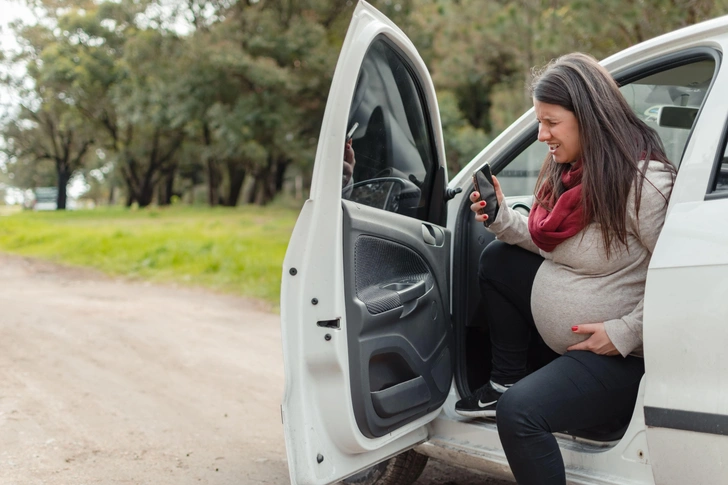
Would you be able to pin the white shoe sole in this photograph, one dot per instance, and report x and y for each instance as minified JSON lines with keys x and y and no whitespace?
{"x":477,"y":414}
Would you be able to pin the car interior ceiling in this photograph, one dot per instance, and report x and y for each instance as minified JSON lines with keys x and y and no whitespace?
{"x":472,"y":335}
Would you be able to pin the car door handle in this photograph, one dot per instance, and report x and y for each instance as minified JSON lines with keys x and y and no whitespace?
{"x":410,"y":297}
{"x":432,"y":235}
{"x":409,"y":290}
{"x":412,"y":292}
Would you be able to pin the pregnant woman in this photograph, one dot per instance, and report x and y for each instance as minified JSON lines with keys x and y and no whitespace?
{"x":574,"y":270}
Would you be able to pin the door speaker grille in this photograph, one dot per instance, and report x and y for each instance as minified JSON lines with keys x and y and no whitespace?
{"x":378,"y":263}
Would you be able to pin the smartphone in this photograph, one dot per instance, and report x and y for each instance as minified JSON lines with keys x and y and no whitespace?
{"x":351,"y":132}
{"x":485,"y":170}
{"x":483,"y":182}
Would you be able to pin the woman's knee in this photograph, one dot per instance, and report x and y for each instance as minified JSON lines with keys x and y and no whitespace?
{"x":493,"y":258}
{"x":512,"y":414}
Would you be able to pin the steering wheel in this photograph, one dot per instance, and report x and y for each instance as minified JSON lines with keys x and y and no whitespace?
{"x":392,"y":194}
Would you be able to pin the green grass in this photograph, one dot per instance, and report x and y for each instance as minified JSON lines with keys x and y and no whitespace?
{"x":237,"y":250}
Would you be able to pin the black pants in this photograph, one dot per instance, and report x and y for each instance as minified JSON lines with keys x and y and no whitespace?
{"x":578,"y":390}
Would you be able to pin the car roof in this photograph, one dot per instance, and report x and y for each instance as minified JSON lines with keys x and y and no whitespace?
{"x":665,"y":43}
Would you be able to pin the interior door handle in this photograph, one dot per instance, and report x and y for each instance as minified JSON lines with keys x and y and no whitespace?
{"x":432,"y":235}
{"x":410,"y":297}
{"x":412,"y":292}
{"x":408,"y":290}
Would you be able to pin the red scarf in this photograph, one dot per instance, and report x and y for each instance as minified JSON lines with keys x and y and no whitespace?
{"x":549,"y":228}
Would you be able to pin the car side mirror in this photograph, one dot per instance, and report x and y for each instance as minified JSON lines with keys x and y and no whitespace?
{"x":677,"y":117}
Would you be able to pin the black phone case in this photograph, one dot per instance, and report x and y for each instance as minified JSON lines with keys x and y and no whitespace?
{"x":483,"y":182}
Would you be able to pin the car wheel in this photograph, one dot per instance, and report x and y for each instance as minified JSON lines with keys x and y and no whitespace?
{"x":403,"y":469}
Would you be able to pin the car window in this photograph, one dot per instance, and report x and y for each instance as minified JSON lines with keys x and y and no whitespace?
{"x":668,"y":101}
{"x":519,"y":177}
{"x":720,"y":185}
{"x":394,"y":157}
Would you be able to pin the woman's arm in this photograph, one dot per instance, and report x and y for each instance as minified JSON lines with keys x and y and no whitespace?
{"x":626,"y":332}
{"x":509,"y":226}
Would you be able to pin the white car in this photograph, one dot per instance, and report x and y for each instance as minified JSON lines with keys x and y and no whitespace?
{"x":381,"y":315}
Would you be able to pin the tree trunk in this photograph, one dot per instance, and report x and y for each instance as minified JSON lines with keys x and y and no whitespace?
{"x":169,"y":186}
{"x":265,"y":182}
{"x":213,"y":171}
{"x":253,"y":190}
{"x":130,"y":179}
{"x":146,"y":192}
{"x":165,"y":190}
{"x":146,"y":196}
{"x":265,"y":193}
{"x":270,"y":182}
{"x":237,"y":178}
{"x":213,"y":182}
{"x":64,"y":176}
{"x":281,"y":166}
{"x":141,"y":178}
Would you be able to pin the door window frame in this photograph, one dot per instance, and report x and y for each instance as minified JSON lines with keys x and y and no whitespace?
{"x":720,"y":156}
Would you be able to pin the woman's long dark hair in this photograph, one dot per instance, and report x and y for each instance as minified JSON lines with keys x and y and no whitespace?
{"x":613,"y":142}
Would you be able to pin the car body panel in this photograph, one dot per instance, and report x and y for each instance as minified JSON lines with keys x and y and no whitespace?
{"x":686,"y":311}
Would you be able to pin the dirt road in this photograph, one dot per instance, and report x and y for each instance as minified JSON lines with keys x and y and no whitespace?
{"x":106,"y":381}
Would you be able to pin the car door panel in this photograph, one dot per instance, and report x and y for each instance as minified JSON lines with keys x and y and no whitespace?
{"x":396,"y":280}
{"x":365,"y":295}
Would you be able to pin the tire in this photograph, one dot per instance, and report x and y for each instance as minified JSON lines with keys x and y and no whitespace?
{"x":403,"y":469}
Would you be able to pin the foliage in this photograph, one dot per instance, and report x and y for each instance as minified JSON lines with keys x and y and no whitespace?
{"x":46,"y":126}
{"x":171,"y":96}
{"x":239,"y":251}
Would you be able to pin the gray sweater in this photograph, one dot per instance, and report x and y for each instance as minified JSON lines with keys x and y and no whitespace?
{"x":577,"y":284}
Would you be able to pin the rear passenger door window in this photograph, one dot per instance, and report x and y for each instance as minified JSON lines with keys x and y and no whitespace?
{"x":669,"y":102}
{"x":719,"y":187}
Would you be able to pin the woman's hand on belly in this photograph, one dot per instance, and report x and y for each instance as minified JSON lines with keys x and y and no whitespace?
{"x":599,"y":342}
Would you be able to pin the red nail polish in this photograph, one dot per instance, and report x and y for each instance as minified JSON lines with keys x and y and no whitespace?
{"x":482,"y":202}
{"x":574,"y":328}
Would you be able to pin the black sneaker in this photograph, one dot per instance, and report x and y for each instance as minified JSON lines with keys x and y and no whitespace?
{"x":481,"y":404}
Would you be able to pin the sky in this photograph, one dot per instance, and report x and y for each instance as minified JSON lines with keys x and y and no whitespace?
{"x":11,"y":11}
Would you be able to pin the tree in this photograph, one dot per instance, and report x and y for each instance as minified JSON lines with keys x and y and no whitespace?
{"x":121,"y":77}
{"x":47,"y":135}
{"x":46,"y":125}
{"x":255,"y":89}
{"x":176,"y":94}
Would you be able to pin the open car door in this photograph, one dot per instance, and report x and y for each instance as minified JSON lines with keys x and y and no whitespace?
{"x":365,"y":297}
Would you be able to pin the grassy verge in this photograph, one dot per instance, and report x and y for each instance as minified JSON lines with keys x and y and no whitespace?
{"x":233,"y":250}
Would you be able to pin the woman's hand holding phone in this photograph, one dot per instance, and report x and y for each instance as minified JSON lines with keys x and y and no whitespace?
{"x":478,"y":205}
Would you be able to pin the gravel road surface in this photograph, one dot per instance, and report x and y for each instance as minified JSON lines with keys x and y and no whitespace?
{"x":110,"y":381}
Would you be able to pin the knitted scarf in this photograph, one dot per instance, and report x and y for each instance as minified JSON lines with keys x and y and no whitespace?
{"x":549,"y":228}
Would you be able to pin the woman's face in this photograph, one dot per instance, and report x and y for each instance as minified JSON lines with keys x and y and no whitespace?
{"x":557,"y":127}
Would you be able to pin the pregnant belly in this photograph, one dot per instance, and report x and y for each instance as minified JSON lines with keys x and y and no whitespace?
{"x":562,"y":299}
